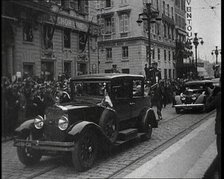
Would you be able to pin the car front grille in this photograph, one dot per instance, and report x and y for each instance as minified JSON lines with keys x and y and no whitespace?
{"x":188,"y":100}
{"x":51,"y":131}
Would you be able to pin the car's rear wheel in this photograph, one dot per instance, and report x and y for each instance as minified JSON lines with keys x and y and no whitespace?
{"x":85,"y":151}
{"x":27,"y":155}
{"x":144,"y":125}
{"x":109,"y":124}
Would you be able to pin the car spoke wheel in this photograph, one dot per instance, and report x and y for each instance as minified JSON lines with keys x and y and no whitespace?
{"x":109,"y":124}
{"x":27,"y":155}
{"x":177,"y":110}
{"x":85,"y":151}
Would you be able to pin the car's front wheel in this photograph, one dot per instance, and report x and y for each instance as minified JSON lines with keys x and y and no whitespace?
{"x":27,"y":155}
{"x":85,"y":151}
{"x":109,"y":124}
{"x":177,"y":110}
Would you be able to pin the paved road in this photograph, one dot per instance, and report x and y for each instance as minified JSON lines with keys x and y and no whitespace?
{"x":107,"y":165}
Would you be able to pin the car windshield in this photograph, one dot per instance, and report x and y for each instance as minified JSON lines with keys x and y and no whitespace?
{"x":89,"y":88}
{"x":195,"y":86}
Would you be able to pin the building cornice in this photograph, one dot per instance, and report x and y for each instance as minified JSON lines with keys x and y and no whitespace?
{"x":140,"y":38}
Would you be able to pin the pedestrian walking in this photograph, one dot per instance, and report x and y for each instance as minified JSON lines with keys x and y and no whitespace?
{"x":157,"y":98}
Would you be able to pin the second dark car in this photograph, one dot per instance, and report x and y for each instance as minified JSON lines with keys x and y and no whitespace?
{"x":197,"y":95}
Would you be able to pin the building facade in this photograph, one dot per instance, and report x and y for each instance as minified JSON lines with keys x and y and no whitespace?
{"x":46,"y":38}
{"x":123,"y":44}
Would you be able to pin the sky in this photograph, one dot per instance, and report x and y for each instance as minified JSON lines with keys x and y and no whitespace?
{"x":207,"y":23}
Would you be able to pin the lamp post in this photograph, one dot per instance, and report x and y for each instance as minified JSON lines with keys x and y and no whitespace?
{"x":150,"y":16}
{"x":196,"y":41}
{"x":216,"y":51}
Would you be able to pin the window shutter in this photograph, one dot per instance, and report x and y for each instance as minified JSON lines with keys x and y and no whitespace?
{"x":126,"y":22}
{"x":112,"y":24}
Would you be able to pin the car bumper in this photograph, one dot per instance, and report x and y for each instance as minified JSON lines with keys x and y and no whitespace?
{"x":189,"y":106}
{"x":45,"y":145}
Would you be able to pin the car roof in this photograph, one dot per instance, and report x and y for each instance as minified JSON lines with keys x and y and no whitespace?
{"x":106,"y":76}
{"x":198,"y":82}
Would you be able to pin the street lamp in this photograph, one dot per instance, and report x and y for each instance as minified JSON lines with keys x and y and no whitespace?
{"x":151,"y":16}
{"x":196,"y":43}
{"x":216,"y":53}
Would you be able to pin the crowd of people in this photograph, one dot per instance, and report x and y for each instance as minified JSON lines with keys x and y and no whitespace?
{"x":25,"y":98}
{"x":164,"y":91}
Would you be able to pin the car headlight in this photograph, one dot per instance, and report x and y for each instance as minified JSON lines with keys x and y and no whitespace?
{"x":194,"y":97}
{"x":38,"y":122}
{"x":63,"y":123}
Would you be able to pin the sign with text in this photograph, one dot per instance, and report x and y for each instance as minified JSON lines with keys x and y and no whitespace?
{"x":188,"y":19}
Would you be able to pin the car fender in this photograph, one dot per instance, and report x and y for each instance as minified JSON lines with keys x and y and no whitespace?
{"x":25,"y":125}
{"x":151,"y":115}
{"x":82,"y":126}
{"x":177,"y":99}
{"x":200,"y":99}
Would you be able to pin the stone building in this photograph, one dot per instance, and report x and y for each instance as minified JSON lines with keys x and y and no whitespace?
{"x":46,"y":38}
{"x":123,"y":44}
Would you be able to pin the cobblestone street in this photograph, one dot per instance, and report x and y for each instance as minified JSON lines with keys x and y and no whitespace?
{"x":107,"y":165}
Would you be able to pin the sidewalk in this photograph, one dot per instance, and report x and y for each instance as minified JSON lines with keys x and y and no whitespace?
{"x":190,"y":157}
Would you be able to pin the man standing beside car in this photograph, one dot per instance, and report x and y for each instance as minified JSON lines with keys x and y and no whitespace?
{"x":217,"y":94}
{"x":157,"y":98}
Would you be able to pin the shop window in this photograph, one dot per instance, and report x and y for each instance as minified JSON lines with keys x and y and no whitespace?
{"x":67,"y":69}
{"x":47,"y":70}
{"x":28,"y":69}
{"x":67,"y":38}
{"x":165,"y":73}
{"x":170,"y":73}
{"x":27,"y":32}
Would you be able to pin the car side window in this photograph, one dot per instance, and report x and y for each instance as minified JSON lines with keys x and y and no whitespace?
{"x":137,"y":89}
{"x":121,"y":89}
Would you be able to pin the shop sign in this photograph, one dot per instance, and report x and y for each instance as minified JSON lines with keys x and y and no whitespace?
{"x":188,"y":18}
{"x":66,"y":22}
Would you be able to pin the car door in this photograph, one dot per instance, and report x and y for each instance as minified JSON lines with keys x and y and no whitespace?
{"x":121,"y":98}
{"x":138,"y":100}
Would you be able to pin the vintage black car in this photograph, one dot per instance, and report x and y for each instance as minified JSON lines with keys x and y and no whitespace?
{"x":105,"y":110}
{"x":197,"y":95}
